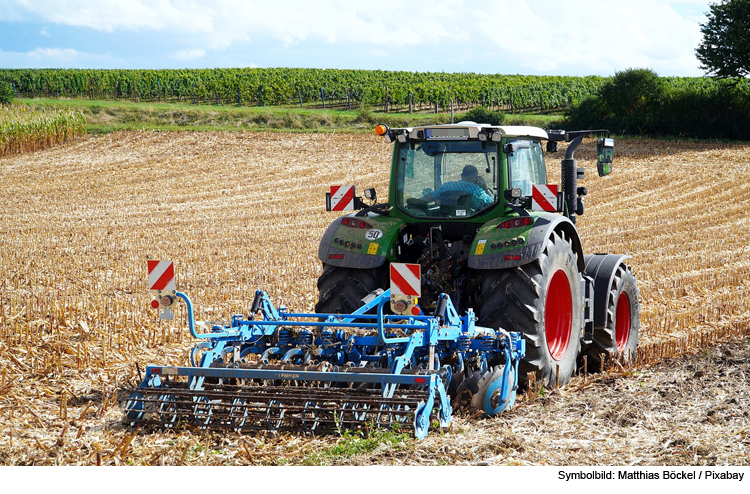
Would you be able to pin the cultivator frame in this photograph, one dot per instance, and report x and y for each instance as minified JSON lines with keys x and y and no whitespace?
{"x":319,"y":373}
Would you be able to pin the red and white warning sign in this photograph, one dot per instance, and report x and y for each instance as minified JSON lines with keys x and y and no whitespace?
{"x":405,"y":279}
{"x":406,"y":287}
{"x":161,"y":275}
{"x":544,"y":197}
{"x":341,"y":198}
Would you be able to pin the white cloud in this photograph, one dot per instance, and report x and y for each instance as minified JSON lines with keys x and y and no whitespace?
{"x":601,"y":36}
{"x":56,"y":58}
{"x":54,"y":54}
{"x":189,"y":54}
{"x":539,"y":36}
{"x":221,"y":22}
{"x":114,"y":15}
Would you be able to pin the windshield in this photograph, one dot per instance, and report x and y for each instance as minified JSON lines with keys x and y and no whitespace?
{"x":448,"y":179}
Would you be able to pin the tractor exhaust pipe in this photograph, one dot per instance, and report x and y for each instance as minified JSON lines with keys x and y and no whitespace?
{"x":570,"y":174}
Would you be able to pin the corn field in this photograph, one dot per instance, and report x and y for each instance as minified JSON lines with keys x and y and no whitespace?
{"x":238,"y":212}
{"x":23,"y":129}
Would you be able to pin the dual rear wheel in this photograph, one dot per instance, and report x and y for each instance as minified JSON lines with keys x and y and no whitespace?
{"x":619,"y":333}
{"x":544,"y":299}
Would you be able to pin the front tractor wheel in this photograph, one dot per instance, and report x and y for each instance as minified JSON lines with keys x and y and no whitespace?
{"x":543,"y":300}
{"x":341,"y":290}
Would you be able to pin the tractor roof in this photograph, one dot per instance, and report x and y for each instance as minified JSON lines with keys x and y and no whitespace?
{"x":471,"y":130}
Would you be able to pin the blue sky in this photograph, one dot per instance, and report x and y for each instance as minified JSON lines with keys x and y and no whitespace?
{"x":546,"y":37}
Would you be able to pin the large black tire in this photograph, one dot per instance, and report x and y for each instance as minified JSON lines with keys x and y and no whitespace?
{"x":620,"y":334}
{"x":543,"y":300}
{"x":340,"y":290}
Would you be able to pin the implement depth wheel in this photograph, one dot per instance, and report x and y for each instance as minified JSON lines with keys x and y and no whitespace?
{"x":619,"y":336}
{"x":542,"y":299}
{"x":340,"y":290}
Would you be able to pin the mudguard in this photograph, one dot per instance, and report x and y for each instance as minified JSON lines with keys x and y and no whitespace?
{"x":601,"y":268}
{"x":496,"y":248}
{"x":366,"y":245}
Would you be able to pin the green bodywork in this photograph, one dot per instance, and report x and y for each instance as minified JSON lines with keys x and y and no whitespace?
{"x":490,"y":239}
{"x":491,"y":247}
{"x":375,"y":240}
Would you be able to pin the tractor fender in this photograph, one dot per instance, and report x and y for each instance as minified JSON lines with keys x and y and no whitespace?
{"x":602,"y":268}
{"x":534,"y":237}
{"x":365,"y":247}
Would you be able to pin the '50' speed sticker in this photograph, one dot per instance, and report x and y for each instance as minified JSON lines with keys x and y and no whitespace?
{"x":373,"y":234}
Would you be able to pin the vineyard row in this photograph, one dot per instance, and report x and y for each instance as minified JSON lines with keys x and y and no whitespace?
{"x":306,"y":87}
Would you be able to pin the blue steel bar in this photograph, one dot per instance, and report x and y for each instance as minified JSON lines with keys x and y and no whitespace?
{"x":293,"y":375}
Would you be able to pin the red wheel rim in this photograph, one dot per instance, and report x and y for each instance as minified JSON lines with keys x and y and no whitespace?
{"x":558,"y":314}
{"x":622,"y":322}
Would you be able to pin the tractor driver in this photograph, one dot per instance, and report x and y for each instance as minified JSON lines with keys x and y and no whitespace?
{"x":470,"y":184}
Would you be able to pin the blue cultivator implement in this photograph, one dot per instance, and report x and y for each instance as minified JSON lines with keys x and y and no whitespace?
{"x":319,"y":373}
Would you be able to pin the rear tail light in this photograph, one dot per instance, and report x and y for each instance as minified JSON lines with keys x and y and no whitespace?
{"x":354,"y":223}
{"x":517,"y":222}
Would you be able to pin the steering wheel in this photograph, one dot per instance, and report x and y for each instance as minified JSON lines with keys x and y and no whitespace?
{"x":454,"y":199}
{"x":418,"y":205}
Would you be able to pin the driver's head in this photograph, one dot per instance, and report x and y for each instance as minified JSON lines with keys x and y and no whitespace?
{"x":469,"y":173}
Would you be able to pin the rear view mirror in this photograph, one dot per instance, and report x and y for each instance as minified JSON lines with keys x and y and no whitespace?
{"x":605,"y":152}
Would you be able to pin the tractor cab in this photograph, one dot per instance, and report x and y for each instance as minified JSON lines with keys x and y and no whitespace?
{"x":464,"y":170}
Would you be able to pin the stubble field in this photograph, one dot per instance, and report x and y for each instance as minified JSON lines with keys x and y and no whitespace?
{"x":242,"y":211}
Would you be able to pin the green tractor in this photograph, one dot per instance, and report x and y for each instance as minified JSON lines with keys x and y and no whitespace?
{"x":471,"y":205}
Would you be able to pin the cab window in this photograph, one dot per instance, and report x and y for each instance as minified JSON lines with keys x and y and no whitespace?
{"x":447,"y":178}
{"x":527,"y":168}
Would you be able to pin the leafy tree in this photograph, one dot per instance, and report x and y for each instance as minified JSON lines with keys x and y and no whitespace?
{"x":633,"y":92}
{"x":483,"y":115}
{"x":725,"y":50}
{"x":630,"y":102}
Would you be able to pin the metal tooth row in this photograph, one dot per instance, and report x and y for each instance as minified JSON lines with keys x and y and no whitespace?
{"x":348,"y":244}
{"x":274,"y":409}
{"x":508,"y":243}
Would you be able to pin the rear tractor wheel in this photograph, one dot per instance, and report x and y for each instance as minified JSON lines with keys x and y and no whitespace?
{"x":619,"y":336}
{"x":341,"y":290}
{"x":543,"y":300}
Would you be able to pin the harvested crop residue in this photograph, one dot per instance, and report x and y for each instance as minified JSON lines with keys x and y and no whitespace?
{"x":243,"y":211}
